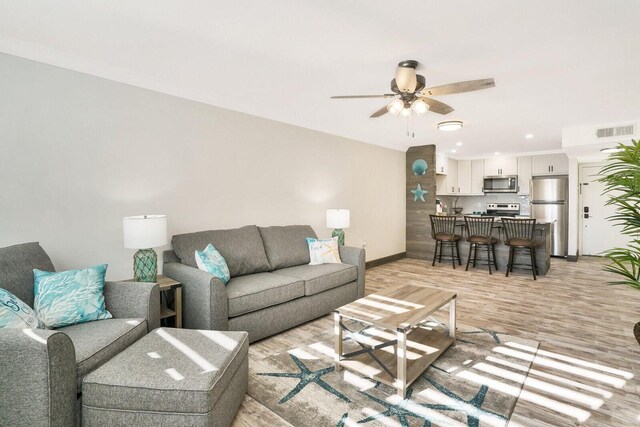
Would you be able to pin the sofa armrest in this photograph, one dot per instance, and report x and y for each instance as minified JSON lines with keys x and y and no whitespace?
{"x":355,"y":256}
{"x":139,"y":300}
{"x":204,"y":297}
{"x":38,"y":380}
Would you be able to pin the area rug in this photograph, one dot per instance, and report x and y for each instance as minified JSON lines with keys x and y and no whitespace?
{"x":475,"y":383}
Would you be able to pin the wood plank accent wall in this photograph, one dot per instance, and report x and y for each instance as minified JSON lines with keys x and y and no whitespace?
{"x":420,"y":245}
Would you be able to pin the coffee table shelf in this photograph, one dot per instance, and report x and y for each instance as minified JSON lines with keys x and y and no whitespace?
{"x":423,"y":348}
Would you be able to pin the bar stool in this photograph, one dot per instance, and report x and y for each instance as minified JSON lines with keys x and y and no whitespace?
{"x":443,"y":230}
{"x":479,"y":231}
{"x":519,"y":237}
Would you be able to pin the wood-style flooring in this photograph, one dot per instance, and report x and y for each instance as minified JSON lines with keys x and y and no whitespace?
{"x":587,"y":370}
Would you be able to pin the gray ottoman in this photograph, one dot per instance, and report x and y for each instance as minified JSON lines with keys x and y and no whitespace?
{"x":176,"y":377}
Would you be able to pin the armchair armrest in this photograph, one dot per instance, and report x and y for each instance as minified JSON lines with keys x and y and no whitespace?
{"x":355,"y":256}
{"x":204,"y":297}
{"x":38,"y":380}
{"x":138,"y":300}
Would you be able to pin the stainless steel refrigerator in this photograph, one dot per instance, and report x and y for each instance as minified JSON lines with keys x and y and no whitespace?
{"x":549,"y":199}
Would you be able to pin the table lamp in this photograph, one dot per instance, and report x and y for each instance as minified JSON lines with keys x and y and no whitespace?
{"x":338,"y":219}
{"x":144,"y":232}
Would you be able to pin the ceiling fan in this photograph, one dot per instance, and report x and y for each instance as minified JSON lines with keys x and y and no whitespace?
{"x":409,"y":93}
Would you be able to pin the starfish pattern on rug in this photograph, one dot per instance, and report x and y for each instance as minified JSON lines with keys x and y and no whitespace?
{"x":306,"y":377}
{"x":494,"y":334}
{"x":400,"y":410}
{"x":471,"y":407}
{"x":343,"y":419}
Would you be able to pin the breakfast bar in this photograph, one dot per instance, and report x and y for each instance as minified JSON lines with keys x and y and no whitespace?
{"x":543,"y":252}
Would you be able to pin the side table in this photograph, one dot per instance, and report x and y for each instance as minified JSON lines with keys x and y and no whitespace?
{"x":167,"y":284}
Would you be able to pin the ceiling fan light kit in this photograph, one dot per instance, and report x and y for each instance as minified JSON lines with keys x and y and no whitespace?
{"x":410,"y":95}
{"x":450,"y":125}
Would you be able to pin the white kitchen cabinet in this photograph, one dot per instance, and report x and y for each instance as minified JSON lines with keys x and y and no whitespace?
{"x":452,"y":176}
{"x":524,"y":175}
{"x":447,"y":185}
{"x":550,"y":164}
{"x":442,"y":166}
{"x":477,"y":177}
{"x":464,"y":177}
{"x":499,"y":165}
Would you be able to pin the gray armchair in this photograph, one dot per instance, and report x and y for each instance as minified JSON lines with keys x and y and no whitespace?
{"x":42,"y":370}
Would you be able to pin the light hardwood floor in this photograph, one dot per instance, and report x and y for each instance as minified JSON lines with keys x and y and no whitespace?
{"x":588,"y":364}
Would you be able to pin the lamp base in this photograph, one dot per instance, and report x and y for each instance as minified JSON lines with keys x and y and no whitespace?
{"x":145,"y":266}
{"x":339,"y":233}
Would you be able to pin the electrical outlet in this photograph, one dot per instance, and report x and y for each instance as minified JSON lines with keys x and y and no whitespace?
{"x":364,"y":244}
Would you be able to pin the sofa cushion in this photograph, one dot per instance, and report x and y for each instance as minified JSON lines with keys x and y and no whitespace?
{"x":319,"y":278}
{"x":171,"y":372}
{"x":96,"y":342}
{"x":261,"y":290}
{"x":70,"y":297}
{"x":14,"y":313}
{"x":16,"y":268}
{"x":287,"y":246}
{"x":242,"y":248}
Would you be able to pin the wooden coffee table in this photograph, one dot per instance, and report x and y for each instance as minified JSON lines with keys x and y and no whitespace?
{"x":401,"y":344}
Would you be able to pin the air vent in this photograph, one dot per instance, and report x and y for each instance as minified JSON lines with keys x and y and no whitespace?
{"x":615,"y":131}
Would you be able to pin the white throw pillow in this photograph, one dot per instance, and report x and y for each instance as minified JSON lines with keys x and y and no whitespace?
{"x":323,"y":251}
{"x":212,"y":261}
{"x":14,"y":313}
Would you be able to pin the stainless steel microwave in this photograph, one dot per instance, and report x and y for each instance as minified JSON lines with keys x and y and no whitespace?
{"x":500,"y":184}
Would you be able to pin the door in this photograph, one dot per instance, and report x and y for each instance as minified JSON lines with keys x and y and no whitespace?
{"x":597,"y":233}
{"x":524,"y":175}
{"x":477,"y":177}
{"x":452,"y":176}
{"x":464,"y":176}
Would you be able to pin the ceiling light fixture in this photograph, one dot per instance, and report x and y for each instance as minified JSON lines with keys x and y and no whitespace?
{"x":395,"y":107}
{"x":450,"y":125}
{"x":529,"y":136}
{"x":453,"y":151}
{"x":608,"y":150}
{"x":419,"y":107}
{"x":459,"y":144}
{"x":497,"y":153}
{"x":405,"y":113}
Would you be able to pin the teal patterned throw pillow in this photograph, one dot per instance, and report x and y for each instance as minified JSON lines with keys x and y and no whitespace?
{"x":212,"y":261}
{"x":70,"y":297}
{"x":14,"y":313}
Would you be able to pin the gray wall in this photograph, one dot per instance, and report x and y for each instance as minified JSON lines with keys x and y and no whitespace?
{"x":78,"y":153}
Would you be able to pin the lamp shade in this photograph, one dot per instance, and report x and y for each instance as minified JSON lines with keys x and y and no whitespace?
{"x":338,"y":218}
{"x":144,"y":231}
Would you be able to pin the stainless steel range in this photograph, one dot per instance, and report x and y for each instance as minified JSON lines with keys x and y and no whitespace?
{"x":503,"y":209}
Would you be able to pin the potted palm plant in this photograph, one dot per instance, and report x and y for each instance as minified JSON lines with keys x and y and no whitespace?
{"x":622,"y":187}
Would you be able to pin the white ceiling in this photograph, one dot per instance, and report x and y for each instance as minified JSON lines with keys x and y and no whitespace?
{"x":555,"y":63}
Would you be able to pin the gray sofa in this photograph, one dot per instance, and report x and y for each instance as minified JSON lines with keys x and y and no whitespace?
{"x":42,"y":370}
{"x":272,"y":287}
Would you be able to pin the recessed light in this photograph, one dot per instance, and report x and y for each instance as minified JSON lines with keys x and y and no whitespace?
{"x":453,"y":151}
{"x":450,"y":125}
{"x":529,"y":136}
{"x":497,"y":153}
{"x":611,"y":150}
{"x":459,"y":144}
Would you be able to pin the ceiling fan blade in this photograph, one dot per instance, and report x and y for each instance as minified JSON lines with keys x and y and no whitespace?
{"x":380,"y":112}
{"x":437,"y":106}
{"x":459,"y":87}
{"x":406,"y":79}
{"x":386,"y":95}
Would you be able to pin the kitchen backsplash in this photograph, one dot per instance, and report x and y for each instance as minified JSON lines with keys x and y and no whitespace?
{"x":471,"y":204}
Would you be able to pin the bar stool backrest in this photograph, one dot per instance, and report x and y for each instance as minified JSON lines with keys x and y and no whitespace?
{"x":443,"y":225}
{"x":479,"y":226}
{"x":518,"y":229}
